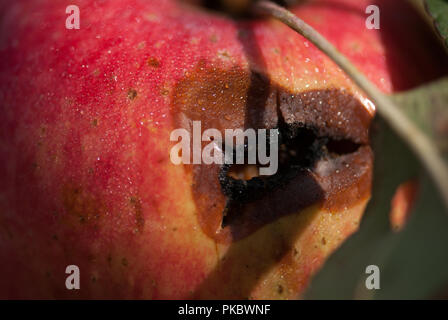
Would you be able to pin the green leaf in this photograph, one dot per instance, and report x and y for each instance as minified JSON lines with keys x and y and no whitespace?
{"x":438,"y":10}
{"x":427,"y":106}
{"x":412,"y":262}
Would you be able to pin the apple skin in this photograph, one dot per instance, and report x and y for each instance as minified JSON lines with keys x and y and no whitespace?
{"x":84,"y":144}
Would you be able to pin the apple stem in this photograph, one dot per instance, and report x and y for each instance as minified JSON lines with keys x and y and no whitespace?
{"x":416,"y":139}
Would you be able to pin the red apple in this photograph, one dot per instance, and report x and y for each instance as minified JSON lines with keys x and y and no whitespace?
{"x":84,"y":144}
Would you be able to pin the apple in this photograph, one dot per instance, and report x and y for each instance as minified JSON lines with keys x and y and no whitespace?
{"x":85,"y":145}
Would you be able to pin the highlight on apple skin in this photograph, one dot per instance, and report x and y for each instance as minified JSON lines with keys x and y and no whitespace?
{"x":85,"y":144}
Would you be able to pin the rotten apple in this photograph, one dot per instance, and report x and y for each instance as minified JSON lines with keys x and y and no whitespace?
{"x":86,"y":176}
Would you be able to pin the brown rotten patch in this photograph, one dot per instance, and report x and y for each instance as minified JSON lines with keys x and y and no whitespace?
{"x":324,"y":157}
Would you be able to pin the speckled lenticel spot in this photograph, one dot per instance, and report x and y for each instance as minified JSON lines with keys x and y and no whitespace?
{"x":139,"y":218}
{"x":153,"y":62}
{"x":132,"y":94}
{"x":124,"y":262}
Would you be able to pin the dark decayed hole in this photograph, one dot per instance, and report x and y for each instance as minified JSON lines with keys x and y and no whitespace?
{"x":299,"y":149}
{"x":339,"y":147}
{"x":305,"y":129}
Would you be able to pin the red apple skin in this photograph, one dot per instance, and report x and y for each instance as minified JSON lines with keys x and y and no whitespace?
{"x":402,"y":203}
{"x":84,"y":145}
